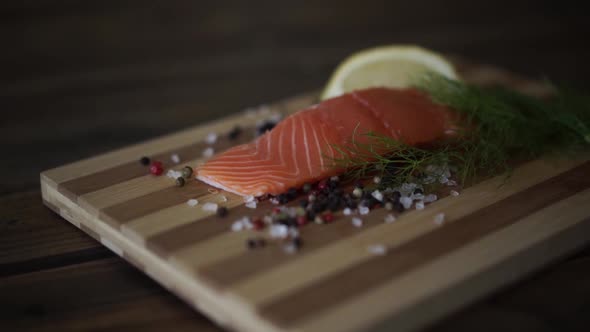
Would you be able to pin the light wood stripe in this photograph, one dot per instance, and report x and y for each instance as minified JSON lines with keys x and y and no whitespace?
{"x":359,"y":278}
{"x":173,"y":217}
{"x":119,"y":214}
{"x":399,"y":304}
{"x":252,"y":275}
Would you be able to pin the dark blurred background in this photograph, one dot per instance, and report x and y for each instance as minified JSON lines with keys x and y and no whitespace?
{"x":83,"y":77}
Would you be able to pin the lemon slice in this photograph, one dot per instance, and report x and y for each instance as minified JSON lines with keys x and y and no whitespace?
{"x":395,"y":66}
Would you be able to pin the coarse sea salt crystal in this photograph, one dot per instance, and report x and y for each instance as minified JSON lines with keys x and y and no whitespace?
{"x":251,"y":205}
{"x":278,"y":231}
{"x":376,"y":180}
{"x":347,"y":212}
{"x":454,"y":193}
{"x":237,"y":226}
{"x":173,"y":174}
{"x":430,"y":198}
{"x":417,"y":196}
{"x":175,"y":158}
{"x":420,"y":205}
{"x":363,"y":210}
{"x":211,"y":138}
{"x":192,"y":202}
{"x":209,"y":207}
{"x":439,"y":219}
{"x":208,"y":152}
{"x":248,"y":198}
{"x":406,"y":202}
{"x":377,"y":249}
{"x":377,"y":195}
{"x":451,"y":183}
{"x":223,"y":198}
{"x":389,"y":218}
{"x":357,"y":222}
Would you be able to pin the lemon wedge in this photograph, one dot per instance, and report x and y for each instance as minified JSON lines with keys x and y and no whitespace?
{"x":395,"y":66}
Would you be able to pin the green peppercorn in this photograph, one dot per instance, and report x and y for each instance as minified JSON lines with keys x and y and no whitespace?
{"x":180,"y":182}
{"x":187,"y":171}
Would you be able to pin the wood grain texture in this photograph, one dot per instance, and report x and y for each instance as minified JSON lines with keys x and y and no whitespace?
{"x":196,"y":256}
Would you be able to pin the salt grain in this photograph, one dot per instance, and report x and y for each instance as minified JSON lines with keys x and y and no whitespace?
{"x":430,"y":198}
{"x":439,"y":219}
{"x":223,"y":199}
{"x":377,"y":249}
{"x":173,"y":174}
{"x":278,"y":231}
{"x":208,"y":152}
{"x":363,"y":210}
{"x":377,"y":180}
{"x":209,"y":207}
{"x":175,"y":158}
{"x":357,"y":222}
{"x":237,"y":226}
{"x":378,"y":195}
{"x":248,"y":198}
{"x":192,"y":202}
{"x":454,"y":193}
{"x":251,"y":205}
{"x":406,"y":202}
{"x":451,"y":183}
{"x":420,"y":205}
{"x":211,"y":138}
{"x":389,"y":218}
{"x":347,"y":212}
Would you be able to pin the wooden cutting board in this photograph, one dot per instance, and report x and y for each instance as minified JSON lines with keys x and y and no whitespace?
{"x":494,"y":233}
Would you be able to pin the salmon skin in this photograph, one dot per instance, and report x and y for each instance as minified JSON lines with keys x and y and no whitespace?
{"x":300,"y":149}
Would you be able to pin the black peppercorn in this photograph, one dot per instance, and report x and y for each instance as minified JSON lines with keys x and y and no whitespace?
{"x":307,"y":188}
{"x":264,"y":127}
{"x":291,"y":193}
{"x":303,"y":203}
{"x":187,"y":171}
{"x":234,"y":133}
{"x":145,"y":161}
{"x":418,"y":191}
{"x":297,"y":242}
{"x":251,"y":243}
{"x":222,"y":211}
{"x":180,"y":182}
{"x":283,"y":199}
{"x":397,"y":206}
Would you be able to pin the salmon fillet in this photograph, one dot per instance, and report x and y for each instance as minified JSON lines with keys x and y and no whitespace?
{"x":300,"y":148}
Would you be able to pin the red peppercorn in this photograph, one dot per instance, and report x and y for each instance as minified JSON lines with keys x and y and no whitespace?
{"x":322,"y":185}
{"x":328,"y":217}
{"x":276,"y":210}
{"x":156,"y":168}
{"x":301,"y":221}
{"x":258,"y":224}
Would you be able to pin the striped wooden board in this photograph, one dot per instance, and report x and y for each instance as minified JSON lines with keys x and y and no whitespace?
{"x":494,"y":233}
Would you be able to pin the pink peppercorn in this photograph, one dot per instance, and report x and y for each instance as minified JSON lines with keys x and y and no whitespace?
{"x":301,"y":221}
{"x":258,"y":224}
{"x":328,"y":217}
{"x":322,"y":185}
{"x":156,"y":168}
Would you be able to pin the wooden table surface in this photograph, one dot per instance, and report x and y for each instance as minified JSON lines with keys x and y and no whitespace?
{"x":81,"y":78}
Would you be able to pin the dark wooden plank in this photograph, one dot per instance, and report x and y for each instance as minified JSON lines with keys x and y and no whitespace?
{"x":105,"y":295}
{"x":31,"y":232}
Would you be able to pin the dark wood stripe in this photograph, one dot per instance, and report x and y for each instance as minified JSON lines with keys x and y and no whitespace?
{"x":225,"y":273}
{"x":133,"y":169}
{"x":121,"y":213}
{"x":359,"y":278}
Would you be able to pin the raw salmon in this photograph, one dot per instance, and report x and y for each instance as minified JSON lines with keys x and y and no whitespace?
{"x":301,"y":149}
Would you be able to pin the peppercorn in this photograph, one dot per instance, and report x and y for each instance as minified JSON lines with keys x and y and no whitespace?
{"x":144,"y":161}
{"x":180,"y":182}
{"x":187,"y":171}
{"x":264,"y":127}
{"x":258,"y":224}
{"x":221,"y":211}
{"x":399,"y":207}
{"x":291,"y":193}
{"x":310,"y":215}
{"x":251,"y":243}
{"x":297,"y":242}
{"x":395,"y":196}
{"x":301,"y":221}
{"x":306,"y":188}
{"x":303,"y":203}
{"x":328,"y":217}
{"x":283,"y":199}
{"x":156,"y":168}
{"x":418,"y":191}
{"x":234,"y":133}
{"x":322,"y":185}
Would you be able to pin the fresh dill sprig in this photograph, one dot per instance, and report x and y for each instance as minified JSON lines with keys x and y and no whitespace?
{"x":498,"y":125}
